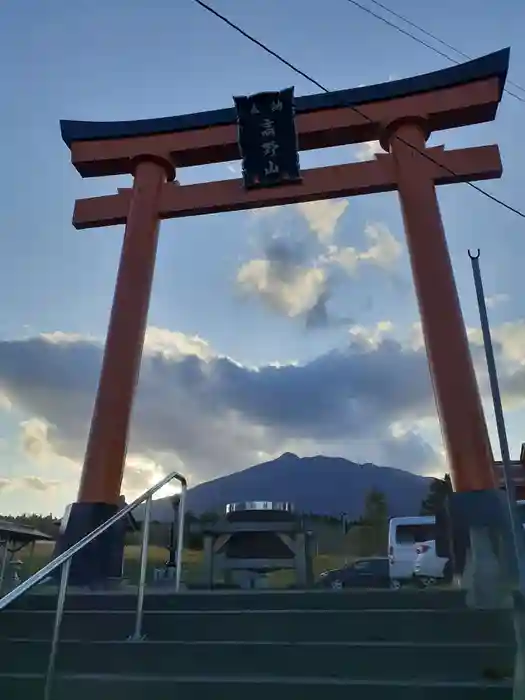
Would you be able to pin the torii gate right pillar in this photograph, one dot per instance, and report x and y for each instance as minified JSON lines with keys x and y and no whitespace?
{"x":456,"y":391}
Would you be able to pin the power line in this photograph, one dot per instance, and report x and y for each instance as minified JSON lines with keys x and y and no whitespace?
{"x":287,"y":63}
{"x":433,"y":36}
{"x":422,"y":30}
{"x":419,"y":28}
{"x":424,"y":43}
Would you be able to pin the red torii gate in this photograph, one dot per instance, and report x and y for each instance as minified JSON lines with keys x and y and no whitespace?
{"x":401,"y":114}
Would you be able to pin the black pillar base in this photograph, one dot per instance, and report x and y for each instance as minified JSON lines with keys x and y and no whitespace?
{"x":102,"y":559}
{"x":472,"y":509}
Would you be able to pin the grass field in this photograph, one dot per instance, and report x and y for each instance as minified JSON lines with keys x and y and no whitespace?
{"x":192,"y":563}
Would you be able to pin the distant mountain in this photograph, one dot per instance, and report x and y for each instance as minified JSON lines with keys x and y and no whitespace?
{"x":321,"y":485}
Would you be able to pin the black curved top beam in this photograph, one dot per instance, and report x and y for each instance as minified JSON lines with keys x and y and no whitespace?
{"x":490,"y":66}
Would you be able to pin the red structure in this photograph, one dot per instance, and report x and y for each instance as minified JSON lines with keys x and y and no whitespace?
{"x":401,"y":115}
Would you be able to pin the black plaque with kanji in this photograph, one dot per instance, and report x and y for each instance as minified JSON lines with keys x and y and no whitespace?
{"x":267,"y":139}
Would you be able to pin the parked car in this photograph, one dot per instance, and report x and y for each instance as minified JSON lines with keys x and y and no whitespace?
{"x":363,"y":573}
{"x":430,"y":569}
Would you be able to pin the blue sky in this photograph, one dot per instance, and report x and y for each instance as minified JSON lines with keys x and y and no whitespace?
{"x":214,"y":276}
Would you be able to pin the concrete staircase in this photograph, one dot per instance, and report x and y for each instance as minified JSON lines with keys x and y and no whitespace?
{"x":290,"y":645}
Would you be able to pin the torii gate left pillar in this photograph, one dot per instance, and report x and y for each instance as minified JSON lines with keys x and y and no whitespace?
{"x":402,"y":114}
{"x":101,"y":479}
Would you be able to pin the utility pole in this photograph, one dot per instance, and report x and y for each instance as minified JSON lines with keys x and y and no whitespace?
{"x":510,"y":490}
{"x":518,"y":538}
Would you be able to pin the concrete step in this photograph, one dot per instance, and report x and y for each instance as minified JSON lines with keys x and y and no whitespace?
{"x":106,"y":687}
{"x":269,"y":625}
{"x":251,"y":600}
{"x":401,"y":661}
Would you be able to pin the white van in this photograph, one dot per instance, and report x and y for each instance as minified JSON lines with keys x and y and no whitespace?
{"x":404,"y":536}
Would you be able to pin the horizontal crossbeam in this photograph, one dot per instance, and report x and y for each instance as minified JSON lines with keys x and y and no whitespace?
{"x":445,"y":167}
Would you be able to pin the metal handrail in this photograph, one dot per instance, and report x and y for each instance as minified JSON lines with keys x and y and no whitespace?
{"x":65,"y":558}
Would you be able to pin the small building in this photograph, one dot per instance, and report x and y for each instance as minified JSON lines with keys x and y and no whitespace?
{"x":18,"y":536}
{"x":517,"y":471}
{"x":253,"y":539}
{"x":13,"y":538}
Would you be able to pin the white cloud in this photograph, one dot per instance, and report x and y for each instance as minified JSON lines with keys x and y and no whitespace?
{"x":373,"y":336}
{"x":293,"y":293}
{"x":368,"y":150}
{"x":61,"y":338}
{"x":346,"y":257}
{"x":383,"y":250}
{"x":266,"y":212}
{"x":511,"y":337}
{"x":41,"y":443}
{"x":288,"y":283}
{"x":37,"y":483}
{"x":508,"y":340}
{"x":209,"y":415}
{"x":415,"y":339}
{"x":173,"y":345}
{"x":407,"y":441}
{"x":323,"y":216}
{"x":32,"y":482}
{"x":142,"y":473}
{"x":35,"y":437}
{"x":496,"y":299}
{"x":206,"y":415}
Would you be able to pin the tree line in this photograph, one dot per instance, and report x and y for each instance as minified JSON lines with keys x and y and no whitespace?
{"x":366,"y":536}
